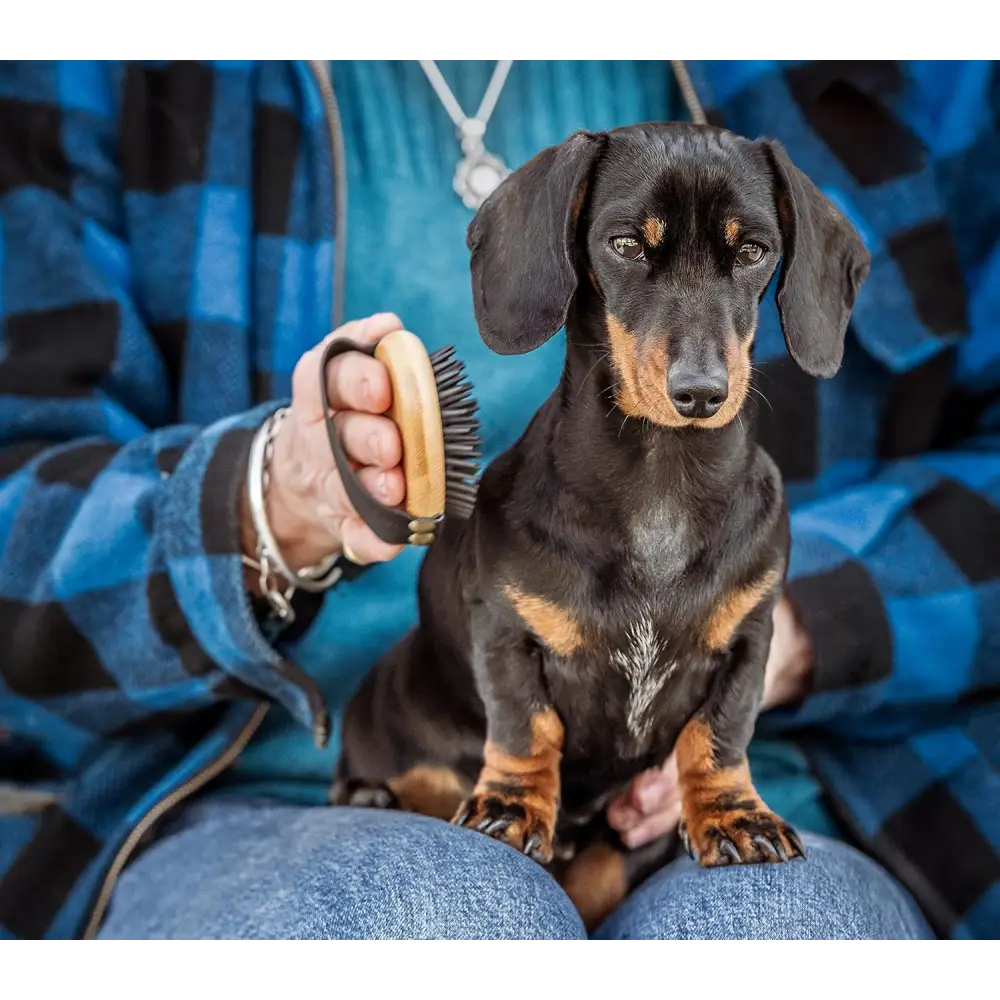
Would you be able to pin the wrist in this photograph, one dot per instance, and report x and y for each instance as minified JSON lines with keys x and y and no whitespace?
{"x":794,"y":681}
{"x":286,"y":565}
{"x":789,"y":674}
{"x":301,"y":541}
{"x":296,"y":550}
{"x":290,"y":512}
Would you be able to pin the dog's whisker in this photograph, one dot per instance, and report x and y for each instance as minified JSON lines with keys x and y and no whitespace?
{"x":592,"y":344}
{"x":757,"y":370}
{"x":583,"y":381}
{"x":757,"y":392}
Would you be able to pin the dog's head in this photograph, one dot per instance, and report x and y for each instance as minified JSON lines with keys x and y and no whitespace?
{"x":678,"y":230}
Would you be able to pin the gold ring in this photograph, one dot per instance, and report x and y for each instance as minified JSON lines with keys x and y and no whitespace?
{"x":349,"y":555}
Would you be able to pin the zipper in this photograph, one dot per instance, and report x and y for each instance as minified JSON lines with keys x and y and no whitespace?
{"x":334,"y":126}
{"x":688,"y":92}
{"x":193,"y":784}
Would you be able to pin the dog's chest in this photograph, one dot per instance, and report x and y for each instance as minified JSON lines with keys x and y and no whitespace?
{"x":643,"y":667}
{"x":628,"y":695}
{"x":646,"y":671}
{"x":661,"y":540}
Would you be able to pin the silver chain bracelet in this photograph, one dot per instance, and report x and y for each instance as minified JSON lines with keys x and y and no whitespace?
{"x":269,"y":562}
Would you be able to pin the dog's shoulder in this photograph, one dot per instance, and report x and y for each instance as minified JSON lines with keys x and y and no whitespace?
{"x":759,"y":518}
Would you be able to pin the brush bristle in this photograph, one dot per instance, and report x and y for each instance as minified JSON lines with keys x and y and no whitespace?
{"x":462,"y":446}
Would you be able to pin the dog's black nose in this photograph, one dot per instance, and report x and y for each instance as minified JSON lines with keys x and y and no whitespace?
{"x":696,"y":392}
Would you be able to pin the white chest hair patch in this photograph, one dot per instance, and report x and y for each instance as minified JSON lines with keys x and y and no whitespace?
{"x":639,"y":661}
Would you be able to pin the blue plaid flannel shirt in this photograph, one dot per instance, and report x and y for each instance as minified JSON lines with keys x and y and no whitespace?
{"x":167,"y":253}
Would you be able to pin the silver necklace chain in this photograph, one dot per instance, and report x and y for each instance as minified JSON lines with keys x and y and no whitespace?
{"x":479,"y":172}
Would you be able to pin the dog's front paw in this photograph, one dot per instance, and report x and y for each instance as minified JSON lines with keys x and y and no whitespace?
{"x":513,"y":820}
{"x":738,"y":837}
{"x":362,"y":794}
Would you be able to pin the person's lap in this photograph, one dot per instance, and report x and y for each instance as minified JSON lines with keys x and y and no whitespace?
{"x":234,"y":869}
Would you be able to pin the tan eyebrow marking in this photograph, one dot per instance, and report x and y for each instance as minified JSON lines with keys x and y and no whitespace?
{"x":653,"y":229}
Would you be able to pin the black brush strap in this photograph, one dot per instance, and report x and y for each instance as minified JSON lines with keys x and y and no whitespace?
{"x":392,"y":524}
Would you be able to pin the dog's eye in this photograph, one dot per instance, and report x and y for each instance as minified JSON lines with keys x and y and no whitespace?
{"x":627,"y":247}
{"x":750,"y":253}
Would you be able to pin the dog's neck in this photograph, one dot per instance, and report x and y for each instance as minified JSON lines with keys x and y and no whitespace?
{"x":709,"y":461}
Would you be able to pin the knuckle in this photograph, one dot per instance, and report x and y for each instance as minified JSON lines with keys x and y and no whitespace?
{"x":394,"y":484}
{"x":343,"y":370}
{"x":346,"y":422}
{"x":304,"y":372}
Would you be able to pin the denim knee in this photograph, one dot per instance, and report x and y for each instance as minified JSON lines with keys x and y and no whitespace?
{"x":422,"y":878}
{"x":236,"y":870}
{"x":836,"y":892}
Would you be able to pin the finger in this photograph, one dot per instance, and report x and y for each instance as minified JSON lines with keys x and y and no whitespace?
{"x":354,"y":381}
{"x":650,"y":791}
{"x":362,"y":546}
{"x":386,"y":485}
{"x":652,"y":827}
{"x":655,"y":796}
{"x":631,"y":795}
{"x":622,"y":817}
{"x":669,"y":769}
{"x":658,"y":788}
{"x":333,"y":503}
{"x":370,"y":440}
{"x":369,"y":330}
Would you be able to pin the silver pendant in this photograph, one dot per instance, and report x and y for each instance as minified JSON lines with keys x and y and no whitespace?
{"x":477,"y":176}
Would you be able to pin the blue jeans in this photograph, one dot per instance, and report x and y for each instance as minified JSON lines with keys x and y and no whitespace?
{"x":253,"y":869}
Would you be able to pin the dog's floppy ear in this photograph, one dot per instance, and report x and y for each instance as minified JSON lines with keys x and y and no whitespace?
{"x":825,"y":263}
{"x":522,"y":242}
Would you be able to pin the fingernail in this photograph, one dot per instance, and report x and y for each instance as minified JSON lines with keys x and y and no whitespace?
{"x":383,"y":484}
{"x":366,"y":390}
{"x":375,"y":444}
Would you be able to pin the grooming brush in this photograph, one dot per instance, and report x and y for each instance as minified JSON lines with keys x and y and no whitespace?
{"x":433,"y":408}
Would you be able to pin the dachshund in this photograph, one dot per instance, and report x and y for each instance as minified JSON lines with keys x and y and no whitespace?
{"x":609,"y":600}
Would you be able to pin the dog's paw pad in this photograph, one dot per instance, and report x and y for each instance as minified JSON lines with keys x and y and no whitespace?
{"x":512,"y":821}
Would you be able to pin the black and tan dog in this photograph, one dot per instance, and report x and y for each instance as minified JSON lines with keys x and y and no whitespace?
{"x":610,"y":599}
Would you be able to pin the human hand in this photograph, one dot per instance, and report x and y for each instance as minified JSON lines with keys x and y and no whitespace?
{"x":307,"y":506}
{"x":651,"y":807}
